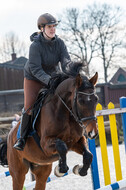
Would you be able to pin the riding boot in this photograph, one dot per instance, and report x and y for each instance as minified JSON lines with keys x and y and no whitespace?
{"x":25,"y":126}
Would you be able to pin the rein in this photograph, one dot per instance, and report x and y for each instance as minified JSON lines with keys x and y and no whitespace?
{"x":76,"y":116}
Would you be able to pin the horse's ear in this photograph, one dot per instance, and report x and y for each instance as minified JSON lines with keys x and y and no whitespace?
{"x":94,"y":79}
{"x":78,"y":80}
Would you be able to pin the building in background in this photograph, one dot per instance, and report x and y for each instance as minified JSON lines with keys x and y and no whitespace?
{"x":12,"y":73}
{"x":11,"y":84}
{"x":112,"y":91}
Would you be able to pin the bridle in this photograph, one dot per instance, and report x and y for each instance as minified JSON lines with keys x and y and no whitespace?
{"x":75,"y":112}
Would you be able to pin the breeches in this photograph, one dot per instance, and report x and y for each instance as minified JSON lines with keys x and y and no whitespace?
{"x":31,"y":90}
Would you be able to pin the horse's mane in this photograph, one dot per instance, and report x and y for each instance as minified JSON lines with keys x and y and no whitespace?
{"x":74,"y":70}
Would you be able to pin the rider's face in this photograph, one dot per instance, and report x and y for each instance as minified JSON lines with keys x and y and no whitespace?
{"x":49,"y":30}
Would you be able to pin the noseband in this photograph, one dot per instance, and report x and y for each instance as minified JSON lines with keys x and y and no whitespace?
{"x":75,"y":112}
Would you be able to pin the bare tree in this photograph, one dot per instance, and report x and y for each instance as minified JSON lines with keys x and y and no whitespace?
{"x":11,"y":44}
{"x":81,"y":37}
{"x":106,"y":20}
{"x":93,"y":33}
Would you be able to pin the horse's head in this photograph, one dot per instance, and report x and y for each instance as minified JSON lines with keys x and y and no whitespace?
{"x":77,"y":93}
{"x":84,"y":102}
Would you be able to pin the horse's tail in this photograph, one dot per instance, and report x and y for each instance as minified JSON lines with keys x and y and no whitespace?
{"x":3,"y":153}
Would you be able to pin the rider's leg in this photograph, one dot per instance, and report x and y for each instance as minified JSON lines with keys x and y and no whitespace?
{"x":25,"y":126}
{"x":31,"y":90}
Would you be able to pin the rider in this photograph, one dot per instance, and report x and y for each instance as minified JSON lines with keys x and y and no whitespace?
{"x":45,"y":54}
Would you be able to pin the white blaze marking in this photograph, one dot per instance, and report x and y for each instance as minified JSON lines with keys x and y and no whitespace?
{"x":93,"y":133}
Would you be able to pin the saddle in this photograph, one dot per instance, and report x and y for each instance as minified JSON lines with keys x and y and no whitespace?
{"x":38,"y":105}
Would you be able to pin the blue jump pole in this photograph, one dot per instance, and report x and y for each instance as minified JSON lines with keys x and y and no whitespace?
{"x":123,"y":105}
{"x":94,"y":165}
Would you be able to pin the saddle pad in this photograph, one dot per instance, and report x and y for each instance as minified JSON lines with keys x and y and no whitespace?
{"x":33,"y":134}
{"x":19,"y":132}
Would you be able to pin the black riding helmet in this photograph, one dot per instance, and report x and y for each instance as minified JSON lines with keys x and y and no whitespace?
{"x":46,"y":19}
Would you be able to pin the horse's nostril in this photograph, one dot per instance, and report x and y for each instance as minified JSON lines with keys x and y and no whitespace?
{"x":89,"y":134}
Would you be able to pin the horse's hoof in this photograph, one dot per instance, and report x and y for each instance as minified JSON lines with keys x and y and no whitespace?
{"x":82,"y":172}
{"x":63,"y":169}
{"x":78,"y":170}
{"x":57,"y":172}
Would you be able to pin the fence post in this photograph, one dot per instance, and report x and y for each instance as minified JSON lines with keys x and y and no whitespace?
{"x":94,"y":164}
{"x":103,"y":144}
{"x":115,"y":143}
{"x":123,"y":105}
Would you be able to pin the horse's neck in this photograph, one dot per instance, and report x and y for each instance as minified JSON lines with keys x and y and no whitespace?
{"x":63,"y":100}
{"x":62,"y":95}
{"x":65,"y":86}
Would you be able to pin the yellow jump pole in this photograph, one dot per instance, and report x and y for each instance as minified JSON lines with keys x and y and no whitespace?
{"x":115,"y":144}
{"x":102,"y":139}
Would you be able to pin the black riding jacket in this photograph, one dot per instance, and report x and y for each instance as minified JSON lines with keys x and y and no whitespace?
{"x":44,"y":58}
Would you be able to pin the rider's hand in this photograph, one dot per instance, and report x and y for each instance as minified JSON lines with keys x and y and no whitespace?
{"x":54,"y":82}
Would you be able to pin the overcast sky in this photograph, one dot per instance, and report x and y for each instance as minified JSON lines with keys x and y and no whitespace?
{"x":20,"y":16}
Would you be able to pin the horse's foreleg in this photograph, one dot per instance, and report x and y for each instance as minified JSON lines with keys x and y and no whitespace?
{"x":61,"y":148}
{"x":81,"y":148}
{"x":17,"y":166}
{"x":41,"y":175}
{"x":18,"y":182}
{"x":18,"y":171}
{"x":87,"y":159}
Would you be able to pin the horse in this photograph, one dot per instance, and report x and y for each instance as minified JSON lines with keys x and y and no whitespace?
{"x":64,"y":123}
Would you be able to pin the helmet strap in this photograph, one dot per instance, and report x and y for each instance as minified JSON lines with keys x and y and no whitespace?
{"x":45,"y":33}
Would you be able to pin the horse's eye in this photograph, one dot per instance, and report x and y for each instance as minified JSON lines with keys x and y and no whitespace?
{"x":81,"y":100}
{"x":88,"y":98}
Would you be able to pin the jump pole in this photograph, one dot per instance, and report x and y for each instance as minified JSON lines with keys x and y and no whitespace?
{"x":51,"y":178}
{"x":4,"y":174}
{"x":119,"y":185}
{"x":31,"y":185}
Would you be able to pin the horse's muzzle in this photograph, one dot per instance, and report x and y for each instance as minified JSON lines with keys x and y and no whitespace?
{"x":92,"y":134}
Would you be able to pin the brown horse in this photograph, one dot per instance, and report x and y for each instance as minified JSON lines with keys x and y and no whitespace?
{"x":62,"y":123}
